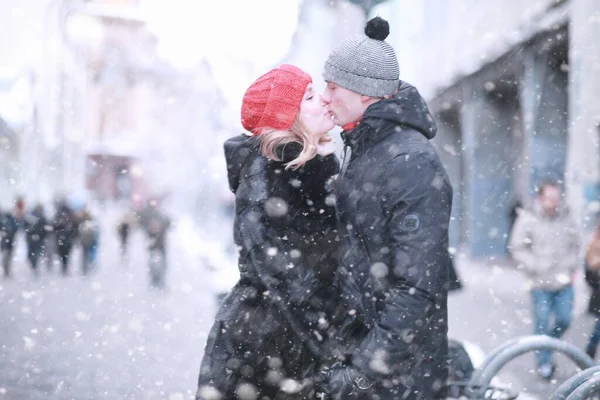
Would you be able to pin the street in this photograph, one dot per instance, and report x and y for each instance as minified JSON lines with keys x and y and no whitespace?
{"x":112,"y":337}
{"x":495,"y":306}
{"x":106,"y":337}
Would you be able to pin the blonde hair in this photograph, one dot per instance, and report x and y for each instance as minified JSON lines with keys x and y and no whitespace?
{"x":271,"y":139}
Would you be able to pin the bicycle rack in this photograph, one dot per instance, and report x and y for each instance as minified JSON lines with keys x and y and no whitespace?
{"x":586,"y":389}
{"x":568,"y":386}
{"x":457,"y":390}
{"x":506,"y":352}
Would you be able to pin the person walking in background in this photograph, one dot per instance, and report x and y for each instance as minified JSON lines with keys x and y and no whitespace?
{"x":36,"y":229}
{"x":65,"y":233}
{"x":592,"y":277}
{"x":124,"y":227}
{"x":9,"y":226}
{"x":545,"y":243}
{"x":89,"y":234}
{"x":50,"y":249}
{"x":19,"y":211}
{"x":156,"y":224}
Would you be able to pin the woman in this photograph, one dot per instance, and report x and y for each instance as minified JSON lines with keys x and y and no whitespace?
{"x":592,"y":276}
{"x":269,"y":333}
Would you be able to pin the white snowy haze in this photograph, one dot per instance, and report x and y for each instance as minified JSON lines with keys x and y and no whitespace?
{"x":238,"y":38}
{"x":116,"y":103}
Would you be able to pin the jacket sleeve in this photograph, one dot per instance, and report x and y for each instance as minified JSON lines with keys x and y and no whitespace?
{"x":521,"y":242}
{"x":416,"y":201}
{"x":574,"y":246}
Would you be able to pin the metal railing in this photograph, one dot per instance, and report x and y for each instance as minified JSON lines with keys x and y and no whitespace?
{"x":479,"y":385}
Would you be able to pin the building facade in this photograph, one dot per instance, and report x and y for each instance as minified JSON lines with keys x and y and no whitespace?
{"x":513,"y":86}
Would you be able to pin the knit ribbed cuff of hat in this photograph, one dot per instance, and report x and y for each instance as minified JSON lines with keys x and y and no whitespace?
{"x":365,"y":85}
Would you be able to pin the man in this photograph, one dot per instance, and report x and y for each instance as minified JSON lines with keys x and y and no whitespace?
{"x":545,"y":243}
{"x":394,"y":199}
{"x":156,"y":224}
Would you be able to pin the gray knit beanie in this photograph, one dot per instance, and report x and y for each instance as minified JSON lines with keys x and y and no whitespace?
{"x":365,"y":64}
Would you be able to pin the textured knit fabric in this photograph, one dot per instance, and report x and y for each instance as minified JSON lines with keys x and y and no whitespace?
{"x":364,"y":65}
{"x":273,"y":100}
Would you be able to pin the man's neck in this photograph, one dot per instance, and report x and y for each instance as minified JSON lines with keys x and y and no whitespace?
{"x":351,"y":125}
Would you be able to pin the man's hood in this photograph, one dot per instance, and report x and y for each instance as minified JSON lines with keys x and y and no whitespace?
{"x":406,"y":108}
{"x":239,"y":150}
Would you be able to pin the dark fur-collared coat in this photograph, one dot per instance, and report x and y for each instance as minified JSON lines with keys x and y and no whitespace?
{"x":271,"y":331}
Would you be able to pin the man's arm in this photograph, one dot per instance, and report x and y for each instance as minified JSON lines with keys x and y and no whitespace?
{"x":417,"y":201}
{"x":574,"y":239}
{"x":521,"y":242}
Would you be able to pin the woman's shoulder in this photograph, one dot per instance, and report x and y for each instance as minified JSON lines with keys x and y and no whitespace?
{"x":322,"y":166}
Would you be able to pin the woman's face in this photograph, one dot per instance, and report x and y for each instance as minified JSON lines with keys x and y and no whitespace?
{"x":314,"y":114}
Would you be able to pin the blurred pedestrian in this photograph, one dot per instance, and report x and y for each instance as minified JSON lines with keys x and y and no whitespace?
{"x":124,"y":227}
{"x":9,"y":227}
{"x":19,"y":211}
{"x":65,"y":233}
{"x":545,"y":243}
{"x":592,"y":276}
{"x":156,"y":224}
{"x":36,"y":229}
{"x":50,"y":254}
{"x":89,"y":236}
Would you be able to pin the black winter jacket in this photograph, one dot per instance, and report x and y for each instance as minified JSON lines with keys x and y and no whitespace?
{"x":285,"y":229}
{"x":394,"y":200}
{"x":65,"y":229}
{"x":36,"y":229}
{"x":9,"y":226}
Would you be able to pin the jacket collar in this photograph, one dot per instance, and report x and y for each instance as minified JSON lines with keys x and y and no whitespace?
{"x":366,"y":133}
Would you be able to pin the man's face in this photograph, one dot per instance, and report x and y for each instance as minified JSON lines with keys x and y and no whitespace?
{"x":345,"y":105}
{"x":550,"y":199}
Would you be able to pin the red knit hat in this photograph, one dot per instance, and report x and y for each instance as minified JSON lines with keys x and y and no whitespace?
{"x":273,"y":100}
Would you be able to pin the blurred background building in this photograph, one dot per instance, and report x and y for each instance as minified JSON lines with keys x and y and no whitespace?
{"x":91,"y":109}
{"x":513,"y":86}
{"x":92,"y":103}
